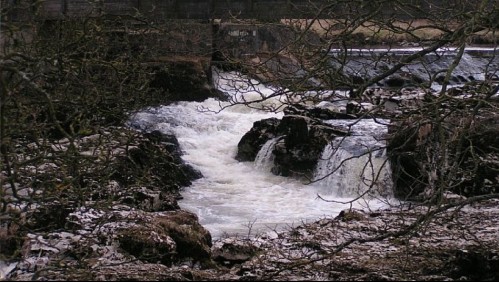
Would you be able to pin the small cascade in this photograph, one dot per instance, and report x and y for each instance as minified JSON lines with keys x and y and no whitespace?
{"x":265,"y":158}
{"x":355,"y":166}
{"x":366,"y":63}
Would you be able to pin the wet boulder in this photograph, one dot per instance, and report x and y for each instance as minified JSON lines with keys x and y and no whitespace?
{"x":230,"y":252}
{"x":297,"y":152}
{"x":159,"y":155}
{"x":471,"y":158}
{"x":149,"y":243}
{"x":166,"y":238}
{"x":304,"y":140}
{"x":185,"y":79}
{"x":253,"y":140}
{"x":407,"y":161}
{"x":156,"y":160}
{"x":191,"y":238}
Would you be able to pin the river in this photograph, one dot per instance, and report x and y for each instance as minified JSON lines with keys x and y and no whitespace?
{"x":241,"y":198}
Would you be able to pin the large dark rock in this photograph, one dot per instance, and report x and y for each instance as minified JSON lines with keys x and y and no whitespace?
{"x":167,"y":238}
{"x":253,"y":140}
{"x":191,"y":238}
{"x":480,"y":161}
{"x":49,"y":216}
{"x":231,"y":253}
{"x":186,"y":79}
{"x":468,"y":165}
{"x":295,"y":130}
{"x":297,"y":152}
{"x":149,"y":243}
{"x":300,"y":149}
{"x":406,"y":158}
{"x":475,"y":263}
{"x":157,"y":161}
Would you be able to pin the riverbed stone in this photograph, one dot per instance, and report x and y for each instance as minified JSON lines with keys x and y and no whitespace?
{"x":297,"y":153}
{"x":191,"y":238}
{"x":167,"y":237}
{"x":147,"y":243}
{"x":185,"y":79}
{"x":158,"y":158}
{"x":253,"y":140}
{"x":229,"y":252}
{"x":412,"y":146}
{"x":300,"y":149}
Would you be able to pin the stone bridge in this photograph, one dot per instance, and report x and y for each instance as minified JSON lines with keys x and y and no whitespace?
{"x":190,"y":27}
{"x":204,"y":25}
{"x":221,"y":9}
{"x":196,"y":30}
{"x":185,"y":9}
{"x":199,"y":27}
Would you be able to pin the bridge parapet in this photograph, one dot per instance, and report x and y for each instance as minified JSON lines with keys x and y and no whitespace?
{"x":227,"y":9}
{"x":171,"y":9}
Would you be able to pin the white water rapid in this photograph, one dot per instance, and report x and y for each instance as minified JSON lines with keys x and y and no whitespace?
{"x":355,"y":165}
{"x":237,"y":197}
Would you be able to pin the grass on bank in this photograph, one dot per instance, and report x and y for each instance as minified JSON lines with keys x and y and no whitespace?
{"x":388,"y":33}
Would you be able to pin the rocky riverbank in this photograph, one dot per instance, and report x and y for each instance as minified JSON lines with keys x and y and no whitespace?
{"x":126,"y":206}
{"x":84,"y":197}
{"x":458,"y":243}
{"x":123,"y":220}
{"x":124,"y":223}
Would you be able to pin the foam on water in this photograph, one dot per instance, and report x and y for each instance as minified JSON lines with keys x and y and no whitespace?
{"x":234,"y":195}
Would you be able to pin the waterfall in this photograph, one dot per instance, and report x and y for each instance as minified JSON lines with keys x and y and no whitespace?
{"x":236,"y":197}
{"x":474,"y":65}
{"x":354,"y":173}
{"x":356,"y":165}
{"x":265,"y":158}
{"x":244,"y":197}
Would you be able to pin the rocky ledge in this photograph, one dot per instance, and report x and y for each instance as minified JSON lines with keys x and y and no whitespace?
{"x":122,"y":208}
{"x":450,"y":242}
{"x":132,"y":229}
{"x":119,"y":220}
